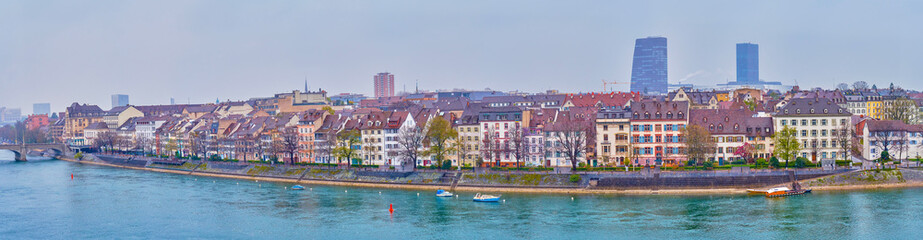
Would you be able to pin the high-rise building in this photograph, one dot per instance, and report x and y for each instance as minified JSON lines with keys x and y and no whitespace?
{"x":119,"y":100}
{"x":10,"y":115}
{"x":41,"y":108}
{"x":649,"y":66}
{"x":748,"y":63}
{"x":384,"y":85}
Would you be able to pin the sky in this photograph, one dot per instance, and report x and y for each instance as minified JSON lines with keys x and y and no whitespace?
{"x":62,"y":52}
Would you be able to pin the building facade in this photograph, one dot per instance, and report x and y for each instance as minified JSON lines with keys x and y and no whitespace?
{"x":384,"y":85}
{"x":748,"y":63}
{"x":119,"y":100}
{"x":649,"y":66}
{"x":818,"y":122}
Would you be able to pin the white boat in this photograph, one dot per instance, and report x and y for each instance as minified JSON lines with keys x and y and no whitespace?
{"x":443,"y":193}
{"x":486,"y":198}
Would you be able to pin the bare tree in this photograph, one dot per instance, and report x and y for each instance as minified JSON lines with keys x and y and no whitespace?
{"x":842,"y":86}
{"x":143,"y":144}
{"x":107,"y":140}
{"x":288,"y":144}
{"x":410,"y":144}
{"x":325,"y":145}
{"x":884,"y":141}
{"x":842,"y":136}
{"x":860,"y":85}
{"x":518,"y":144}
{"x":489,"y":145}
{"x":570,"y":138}
{"x":901,"y":109}
{"x":699,"y":143}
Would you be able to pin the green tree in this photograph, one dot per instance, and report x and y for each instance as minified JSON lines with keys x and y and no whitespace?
{"x":774,"y":162}
{"x":786,"y":144}
{"x":439,"y":134}
{"x":328,"y":109}
{"x":345,"y":141}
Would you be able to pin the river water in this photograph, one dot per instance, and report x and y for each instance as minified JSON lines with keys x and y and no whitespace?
{"x":38,"y":199}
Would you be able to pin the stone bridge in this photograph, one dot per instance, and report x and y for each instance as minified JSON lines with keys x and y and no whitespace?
{"x":20,"y":150}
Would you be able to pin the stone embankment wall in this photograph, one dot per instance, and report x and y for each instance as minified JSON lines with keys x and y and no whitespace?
{"x":868,"y":177}
{"x":649,"y":179}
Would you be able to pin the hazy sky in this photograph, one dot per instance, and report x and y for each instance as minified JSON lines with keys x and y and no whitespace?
{"x":84,"y":51}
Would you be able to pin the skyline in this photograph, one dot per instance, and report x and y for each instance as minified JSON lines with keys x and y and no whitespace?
{"x":199,"y":51}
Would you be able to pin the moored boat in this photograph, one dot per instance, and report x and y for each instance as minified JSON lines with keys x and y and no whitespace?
{"x":297,"y":187}
{"x":486,"y":198}
{"x":782,"y":191}
{"x":443,"y":193}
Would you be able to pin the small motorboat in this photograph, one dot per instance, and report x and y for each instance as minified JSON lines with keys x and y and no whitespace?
{"x":781,"y":191}
{"x":297,"y":187}
{"x":443,"y":193}
{"x":486,"y":198}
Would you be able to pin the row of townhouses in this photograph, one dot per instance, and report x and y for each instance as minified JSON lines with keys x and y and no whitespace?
{"x":597,"y":129}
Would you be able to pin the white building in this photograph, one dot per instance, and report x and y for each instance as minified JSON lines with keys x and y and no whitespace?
{"x":818,"y":123}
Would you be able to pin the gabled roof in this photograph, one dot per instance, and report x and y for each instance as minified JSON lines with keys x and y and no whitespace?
{"x":731,"y":121}
{"x":602,"y":99}
{"x":812,"y":107}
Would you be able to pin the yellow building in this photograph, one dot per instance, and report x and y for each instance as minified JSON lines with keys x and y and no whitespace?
{"x":874,"y":107}
{"x":76,"y":118}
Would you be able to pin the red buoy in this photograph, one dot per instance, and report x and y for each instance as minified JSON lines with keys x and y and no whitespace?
{"x":391,"y":208}
{"x":72,"y":176}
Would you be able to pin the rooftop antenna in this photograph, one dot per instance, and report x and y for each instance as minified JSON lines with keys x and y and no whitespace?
{"x":417,"y":83}
{"x":305,"y":83}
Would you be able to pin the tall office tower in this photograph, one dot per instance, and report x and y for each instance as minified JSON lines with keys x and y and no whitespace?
{"x":119,"y":100}
{"x":748,"y":63}
{"x":41,"y":108}
{"x":384,"y":85}
{"x":649,"y":66}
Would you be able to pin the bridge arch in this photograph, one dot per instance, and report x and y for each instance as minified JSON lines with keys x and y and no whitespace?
{"x":20,"y":151}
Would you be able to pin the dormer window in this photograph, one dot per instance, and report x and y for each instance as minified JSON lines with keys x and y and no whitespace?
{"x":705,"y":119}
{"x":798,"y":111}
{"x":657,"y":114}
{"x":669,"y":115}
{"x":812,"y":111}
{"x":825,"y":110}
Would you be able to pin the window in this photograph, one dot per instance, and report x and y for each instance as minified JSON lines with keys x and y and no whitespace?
{"x":804,"y":122}
{"x":605,"y":127}
{"x":823,"y":122}
{"x":813,"y":122}
{"x":784,"y":122}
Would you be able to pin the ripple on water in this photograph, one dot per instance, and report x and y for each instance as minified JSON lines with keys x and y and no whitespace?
{"x":105,"y":202}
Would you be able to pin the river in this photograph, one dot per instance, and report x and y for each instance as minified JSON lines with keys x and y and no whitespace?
{"x":38,"y":199}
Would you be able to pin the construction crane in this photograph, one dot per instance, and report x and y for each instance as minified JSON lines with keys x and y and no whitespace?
{"x":608,"y":83}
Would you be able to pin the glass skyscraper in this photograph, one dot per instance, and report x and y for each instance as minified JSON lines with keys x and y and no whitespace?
{"x":119,"y":100}
{"x":748,"y":63}
{"x":649,"y":66}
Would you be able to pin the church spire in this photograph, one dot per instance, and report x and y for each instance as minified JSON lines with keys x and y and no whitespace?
{"x":305,"y":83}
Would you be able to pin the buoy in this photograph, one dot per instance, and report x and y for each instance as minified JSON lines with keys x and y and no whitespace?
{"x":261,"y":185}
{"x":345,"y":190}
{"x":238,"y":183}
{"x":72,"y":176}
{"x":391,"y":208}
{"x":418,"y":194}
{"x":571,"y":198}
{"x":195,"y":179}
{"x":379,"y":193}
{"x":504,"y":200}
